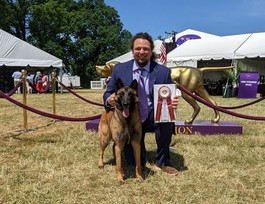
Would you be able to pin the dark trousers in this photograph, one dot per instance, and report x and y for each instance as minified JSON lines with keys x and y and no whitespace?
{"x":163,"y":134}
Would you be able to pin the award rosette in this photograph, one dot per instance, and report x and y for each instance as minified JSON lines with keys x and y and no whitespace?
{"x":163,"y":95}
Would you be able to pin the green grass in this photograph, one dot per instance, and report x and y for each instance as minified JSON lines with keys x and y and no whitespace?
{"x":57,"y":161}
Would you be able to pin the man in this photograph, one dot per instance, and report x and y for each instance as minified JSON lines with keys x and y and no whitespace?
{"x":17,"y":75}
{"x":30,"y":79}
{"x":143,"y":65}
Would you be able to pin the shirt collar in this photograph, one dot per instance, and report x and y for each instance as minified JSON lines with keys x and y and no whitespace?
{"x":136,"y":66}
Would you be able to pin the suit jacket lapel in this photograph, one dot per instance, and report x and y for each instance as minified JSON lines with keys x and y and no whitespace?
{"x":130,"y":70}
{"x":128,"y":74}
{"x":152,"y":76}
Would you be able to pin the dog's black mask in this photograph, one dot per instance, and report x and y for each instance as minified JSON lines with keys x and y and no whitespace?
{"x":126,"y":97}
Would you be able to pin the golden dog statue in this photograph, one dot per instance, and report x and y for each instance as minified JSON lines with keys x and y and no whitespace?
{"x":105,"y":70}
{"x":189,"y":77}
{"x":192,"y":79}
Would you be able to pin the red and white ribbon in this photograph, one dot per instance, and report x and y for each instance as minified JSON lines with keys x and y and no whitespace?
{"x":164,"y":95}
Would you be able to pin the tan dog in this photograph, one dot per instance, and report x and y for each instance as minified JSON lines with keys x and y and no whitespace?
{"x":192,"y":79}
{"x":123,"y":125}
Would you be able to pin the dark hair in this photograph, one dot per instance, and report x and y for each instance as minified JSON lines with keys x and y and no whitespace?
{"x":146,"y":36}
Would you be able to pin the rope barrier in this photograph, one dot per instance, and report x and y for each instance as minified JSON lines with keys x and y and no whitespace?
{"x":47,"y":114}
{"x":244,"y":105}
{"x":84,"y":99}
{"x":64,"y":118}
{"x":13,"y":90}
{"x":218,"y":107}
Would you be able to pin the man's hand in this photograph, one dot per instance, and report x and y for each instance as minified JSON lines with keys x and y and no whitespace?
{"x":175,"y":102}
{"x":111,"y":100}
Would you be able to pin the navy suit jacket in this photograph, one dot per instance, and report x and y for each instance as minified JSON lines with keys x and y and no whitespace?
{"x":158,"y":74}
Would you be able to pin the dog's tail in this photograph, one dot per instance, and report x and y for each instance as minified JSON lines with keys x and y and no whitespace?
{"x":215,"y":69}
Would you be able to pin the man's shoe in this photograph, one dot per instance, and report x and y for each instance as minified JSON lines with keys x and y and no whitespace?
{"x":168,"y":169}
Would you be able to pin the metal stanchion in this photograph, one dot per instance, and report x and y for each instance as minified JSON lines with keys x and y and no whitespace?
{"x":53,"y":91}
{"x":24,"y":93}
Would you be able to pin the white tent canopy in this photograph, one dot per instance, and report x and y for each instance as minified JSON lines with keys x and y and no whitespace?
{"x":227,"y":47}
{"x":253,"y":47}
{"x":189,"y":32}
{"x":127,"y":56}
{"x":123,"y":58}
{"x":15,"y":52}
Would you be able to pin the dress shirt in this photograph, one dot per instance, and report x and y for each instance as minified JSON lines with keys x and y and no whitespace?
{"x":17,"y":75}
{"x":136,"y":75}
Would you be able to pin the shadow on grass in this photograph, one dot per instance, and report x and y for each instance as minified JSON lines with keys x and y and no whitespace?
{"x":177,"y":161}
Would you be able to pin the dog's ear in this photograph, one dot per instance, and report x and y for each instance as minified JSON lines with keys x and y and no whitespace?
{"x":119,"y":84}
{"x":134,"y":85}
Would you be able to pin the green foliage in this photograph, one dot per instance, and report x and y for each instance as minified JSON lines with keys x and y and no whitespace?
{"x":233,"y":74}
{"x":14,"y":16}
{"x":81,"y":33}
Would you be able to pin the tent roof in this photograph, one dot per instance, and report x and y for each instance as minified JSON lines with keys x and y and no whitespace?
{"x":187,"y":33}
{"x":123,"y":58}
{"x":227,"y":47}
{"x":18,"y":53}
{"x":253,"y":47}
{"x":190,"y":32}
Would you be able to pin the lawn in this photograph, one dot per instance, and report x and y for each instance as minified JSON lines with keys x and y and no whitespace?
{"x":56,"y":161}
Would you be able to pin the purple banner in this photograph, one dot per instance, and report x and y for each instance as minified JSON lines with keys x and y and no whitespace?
{"x":248,"y":85}
{"x":187,"y":37}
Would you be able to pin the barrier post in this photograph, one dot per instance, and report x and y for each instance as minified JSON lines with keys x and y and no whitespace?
{"x":24,"y":92}
{"x":53,"y":91}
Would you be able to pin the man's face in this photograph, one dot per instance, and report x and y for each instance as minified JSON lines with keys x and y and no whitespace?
{"x":142,"y":51}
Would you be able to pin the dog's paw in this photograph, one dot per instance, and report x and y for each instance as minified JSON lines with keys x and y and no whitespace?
{"x":120,"y":178}
{"x":100,"y":163}
{"x":101,"y":166}
{"x":121,"y":181}
{"x":139,"y":179}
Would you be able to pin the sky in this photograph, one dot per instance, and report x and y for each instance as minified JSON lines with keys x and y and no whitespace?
{"x":223,"y":17}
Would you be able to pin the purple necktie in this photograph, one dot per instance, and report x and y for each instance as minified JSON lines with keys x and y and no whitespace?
{"x":142,"y":96}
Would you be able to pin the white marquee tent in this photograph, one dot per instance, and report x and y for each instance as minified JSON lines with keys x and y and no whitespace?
{"x":189,"y":32}
{"x":123,"y":58}
{"x":127,"y":56}
{"x":15,"y":52}
{"x":253,"y":47}
{"x":227,"y":47}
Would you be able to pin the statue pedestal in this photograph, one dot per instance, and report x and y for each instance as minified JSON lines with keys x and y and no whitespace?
{"x":203,"y":127}
{"x":92,"y":124}
{"x":206,"y":127}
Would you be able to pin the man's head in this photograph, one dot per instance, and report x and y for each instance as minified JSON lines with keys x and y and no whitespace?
{"x":142,"y":46}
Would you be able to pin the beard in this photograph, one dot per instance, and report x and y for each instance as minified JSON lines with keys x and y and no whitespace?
{"x":142,"y":62}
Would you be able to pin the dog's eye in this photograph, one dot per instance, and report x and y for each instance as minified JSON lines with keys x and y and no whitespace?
{"x":121,"y":93}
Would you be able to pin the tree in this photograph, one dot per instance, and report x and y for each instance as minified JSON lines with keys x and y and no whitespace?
{"x":98,"y":36}
{"x":81,"y":33}
{"x":14,"y":16}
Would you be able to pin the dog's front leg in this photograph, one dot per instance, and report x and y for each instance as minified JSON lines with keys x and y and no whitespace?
{"x":137,"y":157}
{"x":118,"y":152}
{"x":103,"y":144}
